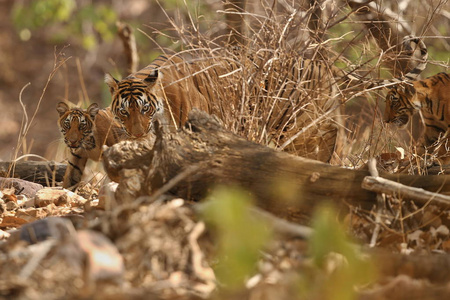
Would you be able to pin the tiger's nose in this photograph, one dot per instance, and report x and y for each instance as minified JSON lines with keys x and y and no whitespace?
{"x":138,"y":135}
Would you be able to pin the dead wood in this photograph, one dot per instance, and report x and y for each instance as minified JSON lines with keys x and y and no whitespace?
{"x":42,"y":172}
{"x":435,"y":268}
{"x":381,"y":185}
{"x":405,"y":288}
{"x":286,"y":185}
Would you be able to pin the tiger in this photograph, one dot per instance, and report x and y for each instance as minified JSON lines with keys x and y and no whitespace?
{"x":307,"y":116}
{"x":173,"y":86}
{"x":431,"y":98}
{"x":166,"y":86}
{"x":85,"y":132}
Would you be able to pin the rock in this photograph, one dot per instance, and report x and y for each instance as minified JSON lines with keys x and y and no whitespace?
{"x":95,"y":245}
{"x":21,"y":186}
{"x":58,"y":197}
{"x":11,"y":205}
{"x":106,"y":195}
{"x":41,"y":230}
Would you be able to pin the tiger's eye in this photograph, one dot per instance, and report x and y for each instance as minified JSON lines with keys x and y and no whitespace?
{"x":145,"y":107}
{"x":123,"y":111}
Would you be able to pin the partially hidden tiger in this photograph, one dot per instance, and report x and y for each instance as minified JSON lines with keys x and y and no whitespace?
{"x":174,"y":86}
{"x":85,"y":131}
{"x":166,"y":86}
{"x":431,"y":98}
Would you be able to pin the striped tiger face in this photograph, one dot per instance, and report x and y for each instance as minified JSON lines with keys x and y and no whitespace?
{"x":76,"y":125}
{"x":135,"y":102}
{"x":399,"y":108}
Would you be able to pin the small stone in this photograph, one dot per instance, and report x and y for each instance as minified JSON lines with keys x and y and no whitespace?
{"x":58,"y":197}
{"x":106,"y":195}
{"x":21,"y":199}
{"x":41,"y":230}
{"x":30,"y":203}
{"x":104,"y":260}
{"x":32,"y":214}
{"x":11,"y":205}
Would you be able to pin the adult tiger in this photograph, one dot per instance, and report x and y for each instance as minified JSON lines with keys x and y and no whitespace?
{"x":85,"y":132}
{"x":430,"y":97}
{"x":165,"y":86}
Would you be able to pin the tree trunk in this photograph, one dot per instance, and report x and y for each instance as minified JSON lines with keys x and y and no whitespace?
{"x":284,"y":184}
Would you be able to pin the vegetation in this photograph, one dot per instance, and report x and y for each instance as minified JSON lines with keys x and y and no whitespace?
{"x":64,"y":47}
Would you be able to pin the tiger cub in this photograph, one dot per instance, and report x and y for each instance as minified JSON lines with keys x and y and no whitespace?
{"x":85,"y":132}
{"x":430,"y":97}
{"x":165,"y":86}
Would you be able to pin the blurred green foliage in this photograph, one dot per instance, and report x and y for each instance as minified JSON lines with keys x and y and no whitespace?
{"x":337,"y":264}
{"x":66,"y":19}
{"x":41,"y":13}
{"x":340,"y":259}
{"x":241,"y":235}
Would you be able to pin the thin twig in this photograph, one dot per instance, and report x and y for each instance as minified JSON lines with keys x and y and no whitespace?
{"x":381,"y":204}
{"x":423,"y":197}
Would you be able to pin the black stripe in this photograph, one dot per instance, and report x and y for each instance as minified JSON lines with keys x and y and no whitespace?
{"x":435,"y":127}
{"x":441,"y":79}
{"x":75,"y":155}
{"x":75,"y":167}
{"x":423,"y":83}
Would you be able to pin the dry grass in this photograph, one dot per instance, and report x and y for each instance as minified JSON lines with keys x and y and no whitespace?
{"x":248,"y":83}
{"x":258,"y":92}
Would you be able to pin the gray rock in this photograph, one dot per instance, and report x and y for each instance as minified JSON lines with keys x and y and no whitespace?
{"x":22,"y":187}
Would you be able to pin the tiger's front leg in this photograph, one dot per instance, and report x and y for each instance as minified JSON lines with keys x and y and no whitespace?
{"x":74,"y":171}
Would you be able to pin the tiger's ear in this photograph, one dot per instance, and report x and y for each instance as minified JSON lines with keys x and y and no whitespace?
{"x":62,"y":107}
{"x":111,"y":82}
{"x":151,"y":78}
{"x":93,"y":110}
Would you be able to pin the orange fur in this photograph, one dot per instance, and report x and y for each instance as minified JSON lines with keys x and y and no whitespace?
{"x":85,"y":132}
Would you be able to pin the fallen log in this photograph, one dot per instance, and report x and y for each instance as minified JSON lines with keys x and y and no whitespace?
{"x":42,"y":172}
{"x":284,"y":184}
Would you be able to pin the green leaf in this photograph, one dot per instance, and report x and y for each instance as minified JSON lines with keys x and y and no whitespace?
{"x":240,"y":234}
{"x":334,"y":253}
